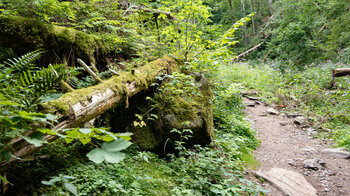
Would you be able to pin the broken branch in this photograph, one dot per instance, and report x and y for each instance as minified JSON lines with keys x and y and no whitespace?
{"x":87,"y":68}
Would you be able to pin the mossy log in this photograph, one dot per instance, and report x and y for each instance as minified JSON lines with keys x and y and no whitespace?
{"x":80,"y":106}
{"x":186,"y":111}
{"x":61,"y":44}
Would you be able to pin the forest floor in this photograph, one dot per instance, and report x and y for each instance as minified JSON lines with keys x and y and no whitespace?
{"x":286,"y":145}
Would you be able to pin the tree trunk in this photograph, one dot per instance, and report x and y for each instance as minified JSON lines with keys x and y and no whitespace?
{"x":244,"y":26}
{"x":253,"y":20}
{"x":231,"y":10}
{"x":270,"y":7}
{"x":80,"y":106}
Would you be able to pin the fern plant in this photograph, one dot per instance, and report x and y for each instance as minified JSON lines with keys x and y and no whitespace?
{"x":24,"y":82}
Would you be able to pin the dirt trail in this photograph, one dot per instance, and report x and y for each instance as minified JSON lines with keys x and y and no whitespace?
{"x":286,"y":145}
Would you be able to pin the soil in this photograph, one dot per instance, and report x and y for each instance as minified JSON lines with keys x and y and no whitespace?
{"x":289,"y":145}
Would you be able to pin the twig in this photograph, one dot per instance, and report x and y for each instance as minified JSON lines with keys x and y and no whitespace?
{"x":113,"y":72}
{"x":81,"y":62}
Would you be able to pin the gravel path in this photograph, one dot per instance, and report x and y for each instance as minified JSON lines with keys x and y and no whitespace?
{"x":287,"y":145}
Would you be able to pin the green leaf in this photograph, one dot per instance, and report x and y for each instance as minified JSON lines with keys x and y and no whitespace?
{"x":96,"y":155}
{"x":71,"y":188}
{"x":52,"y":181}
{"x":125,"y":136}
{"x":85,"y":131}
{"x":6,"y":155}
{"x":51,"y":117}
{"x":109,"y":152}
{"x":35,"y":141}
{"x":68,"y":139}
{"x":3,"y":179}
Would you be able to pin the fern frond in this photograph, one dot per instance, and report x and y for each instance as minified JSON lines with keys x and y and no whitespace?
{"x":25,"y":62}
{"x":44,"y":80}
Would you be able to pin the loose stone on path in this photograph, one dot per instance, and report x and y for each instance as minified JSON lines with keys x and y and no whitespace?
{"x":289,"y":182}
{"x":272,"y":111}
{"x":337,"y":153}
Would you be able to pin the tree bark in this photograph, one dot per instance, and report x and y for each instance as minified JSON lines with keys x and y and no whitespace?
{"x":253,"y":20}
{"x":75,"y":108}
{"x":270,"y":7}
{"x":231,"y":10}
{"x":244,"y":26}
{"x":340,"y":72}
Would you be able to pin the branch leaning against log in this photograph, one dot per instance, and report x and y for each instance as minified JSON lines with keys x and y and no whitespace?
{"x":92,"y":73}
{"x":89,"y":103}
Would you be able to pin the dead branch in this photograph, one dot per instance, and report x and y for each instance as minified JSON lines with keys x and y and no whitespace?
{"x":87,"y":68}
{"x":247,"y":52}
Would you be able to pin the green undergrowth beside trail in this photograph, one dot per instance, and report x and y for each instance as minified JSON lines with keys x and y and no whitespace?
{"x":307,"y":91}
{"x":216,"y":169}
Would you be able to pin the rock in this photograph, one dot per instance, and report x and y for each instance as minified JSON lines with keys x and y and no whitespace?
{"x":315,"y":164}
{"x":253,"y":98}
{"x":300,"y":120}
{"x":291,"y":162}
{"x":311,"y":131}
{"x":289,"y":182}
{"x":294,"y":115}
{"x":250,"y":104}
{"x":284,"y":123}
{"x":308,"y":151}
{"x":249,"y":92}
{"x":272,"y":111}
{"x":337,"y":153}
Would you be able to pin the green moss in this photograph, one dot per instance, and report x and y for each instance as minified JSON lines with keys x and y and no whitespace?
{"x":61,"y":44}
{"x":145,"y":138}
{"x":143,"y":76}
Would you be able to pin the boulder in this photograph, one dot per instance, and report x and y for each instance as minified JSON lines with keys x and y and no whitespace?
{"x":289,"y":182}
{"x":337,"y":153}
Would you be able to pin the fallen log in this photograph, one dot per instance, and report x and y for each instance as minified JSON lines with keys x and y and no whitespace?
{"x":82,"y":105}
{"x":247,"y":52}
{"x":339,"y":73}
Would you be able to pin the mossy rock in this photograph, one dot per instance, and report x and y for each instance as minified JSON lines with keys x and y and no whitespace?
{"x":61,"y":44}
{"x":194,"y":114}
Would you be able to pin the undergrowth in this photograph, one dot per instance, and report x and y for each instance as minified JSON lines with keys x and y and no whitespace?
{"x":308,"y":91}
{"x":216,"y":169}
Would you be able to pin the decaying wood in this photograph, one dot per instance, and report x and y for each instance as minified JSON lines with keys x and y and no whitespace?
{"x":92,"y":73}
{"x":246,"y":52}
{"x":339,"y":73}
{"x":65,"y":86}
{"x":96,"y":100}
